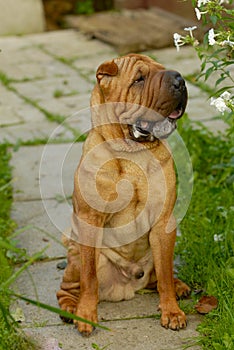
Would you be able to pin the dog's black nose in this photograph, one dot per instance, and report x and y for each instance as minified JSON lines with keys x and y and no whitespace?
{"x":174,"y":79}
{"x":139,"y":274}
{"x":178,"y":81}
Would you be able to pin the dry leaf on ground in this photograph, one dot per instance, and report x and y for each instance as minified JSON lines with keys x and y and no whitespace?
{"x":206,"y":304}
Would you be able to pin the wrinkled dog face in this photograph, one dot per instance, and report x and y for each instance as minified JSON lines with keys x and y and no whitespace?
{"x":155,"y":98}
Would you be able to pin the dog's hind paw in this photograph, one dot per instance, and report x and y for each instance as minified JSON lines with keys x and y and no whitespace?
{"x":68,"y":303}
{"x":181,"y":289}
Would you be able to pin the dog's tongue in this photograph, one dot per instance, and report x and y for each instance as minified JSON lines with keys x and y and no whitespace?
{"x":175,"y":114}
{"x":144,"y":125}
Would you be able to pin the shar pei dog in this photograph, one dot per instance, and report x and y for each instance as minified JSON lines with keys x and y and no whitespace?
{"x":123,"y":231}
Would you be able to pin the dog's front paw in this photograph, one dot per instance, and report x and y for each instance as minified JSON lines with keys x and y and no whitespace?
{"x":174,"y":320}
{"x":89,"y":314}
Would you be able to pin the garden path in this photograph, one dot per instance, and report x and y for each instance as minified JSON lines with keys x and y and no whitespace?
{"x":47,"y":78}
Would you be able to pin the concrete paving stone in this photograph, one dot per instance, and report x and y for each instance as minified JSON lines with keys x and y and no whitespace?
{"x":81,"y":119}
{"x":42,"y":231}
{"x":136,"y":334}
{"x":195,"y":92}
{"x":44,"y":171}
{"x":185,"y":61}
{"x":14,"y":110}
{"x":30,"y":62}
{"x":13,"y":42}
{"x":199,"y":108}
{"x":69,"y":44}
{"x":68,"y":106}
{"x":215,"y":125}
{"x":93,"y":62}
{"x":46,"y":89}
{"x":34,"y":131}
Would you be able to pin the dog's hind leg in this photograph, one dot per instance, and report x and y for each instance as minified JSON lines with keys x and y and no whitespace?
{"x":69,"y":293}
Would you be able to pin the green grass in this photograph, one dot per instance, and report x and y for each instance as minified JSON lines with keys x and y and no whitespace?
{"x":10,"y":336}
{"x":206,"y":245}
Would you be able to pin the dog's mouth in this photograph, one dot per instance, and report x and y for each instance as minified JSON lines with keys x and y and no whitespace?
{"x":145,"y":130}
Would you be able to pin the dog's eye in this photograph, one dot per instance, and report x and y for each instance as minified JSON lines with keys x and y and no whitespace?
{"x":139,"y":80}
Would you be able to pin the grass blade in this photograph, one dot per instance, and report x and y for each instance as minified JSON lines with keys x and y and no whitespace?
{"x":59,"y":311}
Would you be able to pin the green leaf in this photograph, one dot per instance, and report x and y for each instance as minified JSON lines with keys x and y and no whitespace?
{"x":220,"y":91}
{"x":213,"y":19}
{"x":220,"y":80}
{"x":209,"y":72}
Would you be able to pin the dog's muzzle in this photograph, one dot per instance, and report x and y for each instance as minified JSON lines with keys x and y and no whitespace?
{"x":153,"y":130}
{"x":162,"y":126}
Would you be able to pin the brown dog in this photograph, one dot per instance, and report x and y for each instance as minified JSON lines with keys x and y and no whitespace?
{"x":123,"y":230}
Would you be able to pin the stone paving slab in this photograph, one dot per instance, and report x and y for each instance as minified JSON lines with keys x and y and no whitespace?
{"x":185,"y":61}
{"x":40,"y":230}
{"x":91,"y":63}
{"x":69,"y":44}
{"x":67,"y":106}
{"x":47,"y":89}
{"x":135,"y":334}
{"x":34,"y":132}
{"x":49,"y":169}
{"x":14,"y":110}
{"x":32,"y":63}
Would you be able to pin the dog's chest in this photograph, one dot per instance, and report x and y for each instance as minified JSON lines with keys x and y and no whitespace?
{"x":140,"y":186}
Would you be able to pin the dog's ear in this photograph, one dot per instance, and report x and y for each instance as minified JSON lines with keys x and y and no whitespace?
{"x":107,"y":68}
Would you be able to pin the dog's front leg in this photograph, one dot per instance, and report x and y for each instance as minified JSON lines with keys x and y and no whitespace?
{"x":162,"y":245}
{"x":88,"y":226}
{"x":87,"y":305}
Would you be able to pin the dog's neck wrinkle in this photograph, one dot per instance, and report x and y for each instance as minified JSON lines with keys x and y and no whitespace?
{"x":120,"y":143}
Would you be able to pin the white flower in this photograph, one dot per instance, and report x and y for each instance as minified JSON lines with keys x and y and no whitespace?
{"x":202,"y":2}
{"x":219,"y":103}
{"x":218,"y":238}
{"x":226,"y":95}
{"x":211,"y":37}
{"x":178,"y":40}
{"x":198,"y":13}
{"x":223,"y":2}
{"x":227,"y":42}
{"x":190,"y":30}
